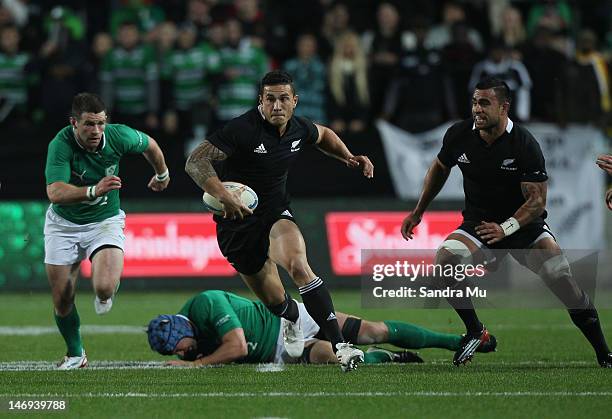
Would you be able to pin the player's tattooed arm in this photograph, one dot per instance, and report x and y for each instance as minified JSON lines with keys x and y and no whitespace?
{"x":535,"y":202}
{"x":200,"y":164}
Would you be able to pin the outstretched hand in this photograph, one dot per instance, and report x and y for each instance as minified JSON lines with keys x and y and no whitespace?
{"x":490,"y":232}
{"x":362,"y":162}
{"x":408,"y":225}
{"x":604,"y":161}
{"x":158,"y":186}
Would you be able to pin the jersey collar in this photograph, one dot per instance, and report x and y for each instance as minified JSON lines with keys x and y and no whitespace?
{"x":100,"y":146}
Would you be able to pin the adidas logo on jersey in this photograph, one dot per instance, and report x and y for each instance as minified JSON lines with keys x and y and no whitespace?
{"x":331,"y":316}
{"x":260,"y":149}
{"x":463,"y":159}
{"x":287,"y":213}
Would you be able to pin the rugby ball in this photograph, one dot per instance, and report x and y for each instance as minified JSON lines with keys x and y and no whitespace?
{"x":248,"y":198}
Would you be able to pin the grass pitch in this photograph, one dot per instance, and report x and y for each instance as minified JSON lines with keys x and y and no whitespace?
{"x":543,"y":368}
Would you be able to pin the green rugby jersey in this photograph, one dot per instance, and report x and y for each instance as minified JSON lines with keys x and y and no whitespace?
{"x":69,"y":162}
{"x":189,"y":71}
{"x":214,"y":313}
{"x":130,"y":80}
{"x":239,"y":95}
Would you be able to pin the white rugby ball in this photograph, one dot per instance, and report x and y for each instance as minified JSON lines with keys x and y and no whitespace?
{"x":248,"y":198}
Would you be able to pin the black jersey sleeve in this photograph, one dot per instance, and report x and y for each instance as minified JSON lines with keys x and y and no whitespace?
{"x":226,"y":139}
{"x":531,"y":164}
{"x":446,"y":152}
{"x":312,"y":133}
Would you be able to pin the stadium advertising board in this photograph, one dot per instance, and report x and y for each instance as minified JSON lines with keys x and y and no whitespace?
{"x":349,"y":233}
{"x":171,"y":245}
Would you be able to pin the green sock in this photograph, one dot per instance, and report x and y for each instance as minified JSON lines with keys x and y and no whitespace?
{"x":70,"y":328}
{"x":410,"y":336}
{"x":375,"y":358}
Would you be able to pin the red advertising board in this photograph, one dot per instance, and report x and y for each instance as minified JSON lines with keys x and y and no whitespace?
{"x":349,"y":233}
{"x":162,"y":245}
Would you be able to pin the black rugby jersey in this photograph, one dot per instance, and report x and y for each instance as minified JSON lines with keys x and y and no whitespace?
{"x":259,"y":157}
{"x":492,"y":174}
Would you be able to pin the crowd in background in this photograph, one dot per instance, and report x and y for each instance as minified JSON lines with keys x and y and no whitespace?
{"x":178,"y":69}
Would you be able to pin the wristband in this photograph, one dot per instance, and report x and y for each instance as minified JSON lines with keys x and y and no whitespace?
{"x":162,"y":176}
{"x":510,"y":226}
{"x":91,"y":192}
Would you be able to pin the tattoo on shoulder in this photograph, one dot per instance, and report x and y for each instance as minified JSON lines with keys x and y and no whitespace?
{"x":208,"y":151}
{"x":533,"y":189}
{"x":199,"y":164}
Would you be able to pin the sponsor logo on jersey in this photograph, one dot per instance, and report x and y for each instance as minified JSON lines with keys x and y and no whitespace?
{"x":294,"y":145}
{"x":331,"y":316}
{"x":506,"y":165}
{"x":110,"y":170}
{"x":463,"y":159}
{"x":260,"y":149}
{"x":80,"y":176}
{"x":287,"y":213}
{"x":222,"y":320}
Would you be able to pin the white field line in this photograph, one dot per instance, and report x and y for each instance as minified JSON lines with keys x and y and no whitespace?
{"x":136,"y":330}
{"x":317,"y":394}
{"x":141,"y":365}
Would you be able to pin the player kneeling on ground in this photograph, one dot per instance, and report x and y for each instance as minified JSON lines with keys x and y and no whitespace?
{"x":217,"y":327}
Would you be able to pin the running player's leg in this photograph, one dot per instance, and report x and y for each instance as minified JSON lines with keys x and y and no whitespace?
{"x":106,"y":268}
{"x":63,"y":257}
{"x":62,"y":279}
{"x":104,"y":242}
{"x":547,"y":260}
{"x":460,"y":247}
{"x":454,"y":250}
{"x":267,"y":286}
{"x":287,"y":249}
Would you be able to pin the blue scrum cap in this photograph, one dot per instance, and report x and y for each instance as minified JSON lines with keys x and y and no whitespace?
{"x":166,"y":330}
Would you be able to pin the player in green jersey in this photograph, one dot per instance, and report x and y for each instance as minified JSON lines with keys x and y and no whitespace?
{"x":218,"y":327}
{"x":84,"y":218}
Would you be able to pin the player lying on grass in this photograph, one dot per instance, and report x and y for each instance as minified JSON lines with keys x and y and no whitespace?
{"x":218,"y":327}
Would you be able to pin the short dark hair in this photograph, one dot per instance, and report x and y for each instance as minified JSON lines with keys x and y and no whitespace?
{"x":501,"y":89}
{"x":276,"y":77}
{"x":86,"y":102}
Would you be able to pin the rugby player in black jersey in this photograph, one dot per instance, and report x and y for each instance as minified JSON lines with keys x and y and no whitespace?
{"x":257,"y":149}
{"x":504,"y":182}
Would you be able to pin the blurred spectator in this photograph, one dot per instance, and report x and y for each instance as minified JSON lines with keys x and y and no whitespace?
{"x":440,"y":35}
{"x":101,"y":45}
{"x":418,"y":98}
{"x":335,"y":23}
{"x":62,"y":56}
{"x":502,"y":65}
{"x":588,"y":83}
{"x":130,"y":80}
{"x":555,"y":15}
{"x":546,"y":67}
{"x":18,"y":11}
{"x":166,"y":37}
{"x":16,"y":80}
{"x":384,"y":48}
{"x":198,"y":15}
{"x":190,"y":71}
{"x":251,"y":19}
{"x":513,"y":32}
{"x":146,"y":16}
{"x":348,"y":84}
{"x":459,"y":58}
{"x":242,"y":64}
{"x":309,"y":75}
